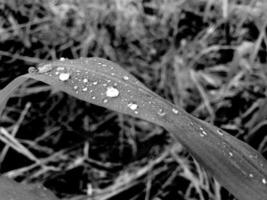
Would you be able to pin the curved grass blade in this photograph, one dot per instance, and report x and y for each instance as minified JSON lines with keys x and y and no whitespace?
{"x":238,"y":167}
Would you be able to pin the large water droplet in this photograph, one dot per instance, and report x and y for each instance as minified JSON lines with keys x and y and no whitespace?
{"x":112,"y":92}
{"x":161,"y":112}
{"x":64,"y":76}
{"x":132,"y":106}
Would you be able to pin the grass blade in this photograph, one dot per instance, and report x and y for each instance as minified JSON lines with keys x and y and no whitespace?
{"x":240,"y":168}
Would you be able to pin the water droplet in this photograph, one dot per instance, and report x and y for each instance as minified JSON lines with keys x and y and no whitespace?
{"x":85,"y":80}
{"x":230,"y":154}
{"x":45,"y":68}
{"x":125,"y":78}
{"x":251,"y":175}
{"x":62,"y":59}
{"x":175,"y":111}
{"x":112,"y":92}
{"x":32,"y":70}
{"x":85,"y":89}
{"x":93,"y":97}
{"x":112,"y":74}
{"x":220,"y":132}
{"x":202,"y":135}
{"x":104,"y":65}
{"x":60,"y":68}
{"x":161,"y":112}
{"x":264,"y":181}
{"x":75,"y":87}
{"x":95,"y":83}
{"x":64,"y":76}
{"x":105,"y":101}
{"x":132,"y":106}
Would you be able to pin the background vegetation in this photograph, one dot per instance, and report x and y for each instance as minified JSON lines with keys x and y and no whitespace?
{"x":206,"y":56}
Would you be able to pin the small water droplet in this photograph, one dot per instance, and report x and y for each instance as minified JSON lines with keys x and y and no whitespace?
{"x":45,"y":68}
{"x":75,"y":87}
{"x":125,"y":78}
{"x":62,"y":59}
{"x":95,"y":83}
{"x":132,"y":106}
{"x":64,"y":76}
{"x":85,"y":89}
{"x":105,"y":101}
{"x":85,"y":80}
{"x":220,"y":132}
{"x":175,"y":111}
{"x":32,"y":70}
{"x":204,"y":132}
{"x":251,"y":175}
{"x":264,"y":181}
{"x":161,"y":112}
{"x":112,"y":74}
{"x":112,"y":92}
{"x":93,"y":97}
{"x":230,"y":154}
{"x":60,"y":68}
{"x":104,"y":65}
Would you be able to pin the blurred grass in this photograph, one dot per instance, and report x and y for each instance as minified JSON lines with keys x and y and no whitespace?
{"x":207,"y":56}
